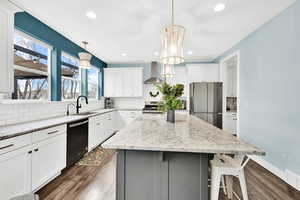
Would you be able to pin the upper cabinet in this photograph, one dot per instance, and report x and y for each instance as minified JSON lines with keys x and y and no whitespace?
{"x":203,"y":73}
{"x":123,"y":82}
{"x":180,"y":77}
{"x":231,"y":80}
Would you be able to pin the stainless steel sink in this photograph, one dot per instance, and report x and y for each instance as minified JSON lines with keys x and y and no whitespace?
{"x":87,"y":113}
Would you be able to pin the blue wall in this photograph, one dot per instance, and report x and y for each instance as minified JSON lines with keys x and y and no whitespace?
{"x":269,"y":88}
{"x":32,"y":26}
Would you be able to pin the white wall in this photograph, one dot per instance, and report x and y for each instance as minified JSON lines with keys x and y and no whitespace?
{"x":269,"y":89}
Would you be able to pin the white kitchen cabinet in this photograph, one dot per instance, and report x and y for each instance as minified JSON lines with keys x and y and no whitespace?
{"x":203,"y":73}
{"x":96,"y":128}
{"x":101,"y":127}
{"x":29,"y":161}
{"x":231,"y":81}
{"x":48,"y":159}
{"x":15,"y":173}
{"x":7,"y":11}
{"x":123,"y":82}
{"x":180,"y":77}
{"x":230,"y":122}
{"x":127,"y":116}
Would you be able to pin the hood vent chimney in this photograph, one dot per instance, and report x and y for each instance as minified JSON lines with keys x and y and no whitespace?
{"x":154,"y":78}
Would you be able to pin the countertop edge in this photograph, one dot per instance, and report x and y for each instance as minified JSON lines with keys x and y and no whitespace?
{"x":257,"y":153}
{"x":16,"y":134}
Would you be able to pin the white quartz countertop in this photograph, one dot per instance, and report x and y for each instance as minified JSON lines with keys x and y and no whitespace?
{"x":23,"y":128}
{"x":151,"y":132}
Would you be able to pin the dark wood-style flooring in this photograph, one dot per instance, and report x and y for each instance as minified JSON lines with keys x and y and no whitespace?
{"x":98,"y":183}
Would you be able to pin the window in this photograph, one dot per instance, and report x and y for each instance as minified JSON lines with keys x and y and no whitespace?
{"x":70,"y":73}
{"x":31,"y":68}
{"x":93,"y":83}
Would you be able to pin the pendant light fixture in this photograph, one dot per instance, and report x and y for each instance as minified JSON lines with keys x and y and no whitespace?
{"x":167,"y":71}
{"x":85,"y":58}
{"x":172,"y":43}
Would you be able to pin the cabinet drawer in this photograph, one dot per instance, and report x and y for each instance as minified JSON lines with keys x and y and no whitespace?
{"x":47,"y":133}
{"x":95,"y":119}
{"x":14,"y":143}
{"x":130,"y":113}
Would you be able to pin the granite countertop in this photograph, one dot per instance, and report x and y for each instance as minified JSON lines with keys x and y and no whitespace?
{"x":151,"y":132}
{"x":28,"y":127}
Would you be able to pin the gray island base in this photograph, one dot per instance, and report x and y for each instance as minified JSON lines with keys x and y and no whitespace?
{"x":157,"y":160}
{"x":154,"y":175}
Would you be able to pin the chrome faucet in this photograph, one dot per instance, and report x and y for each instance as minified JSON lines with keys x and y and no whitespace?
{"x":78,"y":106}
{"x":68,"y":107}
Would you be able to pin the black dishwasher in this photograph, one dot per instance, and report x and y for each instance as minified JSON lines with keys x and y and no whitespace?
{"x":77,"y":141}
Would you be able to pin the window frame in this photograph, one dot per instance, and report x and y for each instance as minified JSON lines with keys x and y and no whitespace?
{"x":98,"y":82}
{"x":65,"y":54}
{"x":22,"y":68}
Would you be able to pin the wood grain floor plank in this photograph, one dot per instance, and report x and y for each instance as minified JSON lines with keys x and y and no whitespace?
{"x":98,"y":183}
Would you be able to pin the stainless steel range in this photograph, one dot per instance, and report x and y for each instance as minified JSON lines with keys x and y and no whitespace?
{"x":151,"y":107}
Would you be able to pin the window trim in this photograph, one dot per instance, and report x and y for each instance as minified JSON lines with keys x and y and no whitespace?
{"x":29,"y":37}
{"x":98,"y":82}
{"x":48,"y":73}
{"x":63,"y":53}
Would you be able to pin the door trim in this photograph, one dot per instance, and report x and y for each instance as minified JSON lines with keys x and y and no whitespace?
{"x":222,"y":64}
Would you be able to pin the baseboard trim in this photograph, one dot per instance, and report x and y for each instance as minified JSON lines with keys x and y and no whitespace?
{"x":283,"y":175}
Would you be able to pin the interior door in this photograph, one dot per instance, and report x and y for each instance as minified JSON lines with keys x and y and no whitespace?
{"x":48,"y":159}
{"x":15,"y":173}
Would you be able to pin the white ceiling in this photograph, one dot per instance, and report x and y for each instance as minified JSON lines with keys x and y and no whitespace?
{"x":133,"y":26}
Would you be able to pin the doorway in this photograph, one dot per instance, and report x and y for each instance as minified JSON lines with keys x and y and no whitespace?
{"x":229,"y":73}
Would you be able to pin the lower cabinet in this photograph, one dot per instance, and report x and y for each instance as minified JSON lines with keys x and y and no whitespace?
{"x":15,"y":173}
{"x":127,"y":116}
{"x":101,"y":127}
{"x":48,"y":159}
{"x":28,"y":167}
{"x":161,"y":175}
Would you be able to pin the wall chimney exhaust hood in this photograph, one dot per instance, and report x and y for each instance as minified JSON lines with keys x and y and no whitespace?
{"x":154,"y":79}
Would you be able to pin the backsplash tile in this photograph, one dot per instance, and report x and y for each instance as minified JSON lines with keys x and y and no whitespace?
{"x":12,"y":112}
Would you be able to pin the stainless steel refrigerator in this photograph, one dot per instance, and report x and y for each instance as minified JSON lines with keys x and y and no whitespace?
{"x":206,"y":102}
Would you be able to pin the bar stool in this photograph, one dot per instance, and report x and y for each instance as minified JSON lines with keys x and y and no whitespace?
{"x":223,"y":165}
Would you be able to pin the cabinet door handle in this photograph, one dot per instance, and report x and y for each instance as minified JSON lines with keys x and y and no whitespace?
{"x":52,"y":132}
{"x":78,"y":124}
{"x":5,"y":147}
{"x":36,"y":150}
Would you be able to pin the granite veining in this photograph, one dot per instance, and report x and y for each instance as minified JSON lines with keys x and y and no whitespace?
{"x":24,"y":128}
{"x":151,"y":132}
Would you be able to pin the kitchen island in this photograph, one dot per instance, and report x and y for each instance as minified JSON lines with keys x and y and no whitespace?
{"x":164,"y":161}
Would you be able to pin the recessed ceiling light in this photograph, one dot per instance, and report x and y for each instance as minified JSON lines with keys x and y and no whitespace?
{"x":156,"y":53}
{"x":123,"y":54}
{"x":219,"y":7}
{"x":189,"y":52}
{"x":91,"y":15}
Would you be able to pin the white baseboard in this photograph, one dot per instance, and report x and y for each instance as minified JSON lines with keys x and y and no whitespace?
{"x":47,"y":181}
{"x":287,"y":176}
